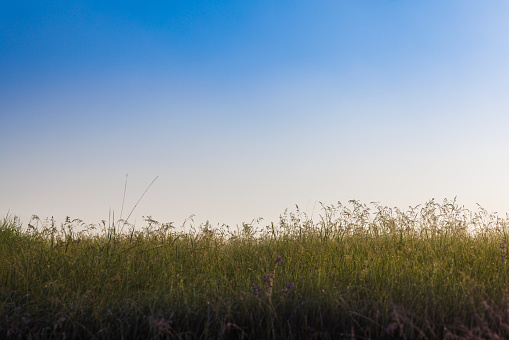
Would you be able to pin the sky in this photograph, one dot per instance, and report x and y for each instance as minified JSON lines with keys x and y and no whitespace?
{"x":246,"y":108}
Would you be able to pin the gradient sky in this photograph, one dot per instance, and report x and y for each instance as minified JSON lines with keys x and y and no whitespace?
{"x":246,"y":108}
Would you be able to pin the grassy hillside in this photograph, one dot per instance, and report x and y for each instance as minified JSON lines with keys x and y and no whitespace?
{"x":433,"y":271}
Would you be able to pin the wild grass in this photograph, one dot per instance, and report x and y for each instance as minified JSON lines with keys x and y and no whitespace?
{"x":436,"y":271}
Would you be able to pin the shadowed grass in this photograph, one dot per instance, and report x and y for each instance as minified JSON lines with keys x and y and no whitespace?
{"x":432,"y":271}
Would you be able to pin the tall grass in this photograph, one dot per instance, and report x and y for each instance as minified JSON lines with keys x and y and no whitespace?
{"x":431,"y":271}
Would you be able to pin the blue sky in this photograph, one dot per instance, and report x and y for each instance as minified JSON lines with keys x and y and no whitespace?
{"x":244,"y":109}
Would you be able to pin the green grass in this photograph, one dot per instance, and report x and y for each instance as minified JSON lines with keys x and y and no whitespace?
{"x":434,"y":271}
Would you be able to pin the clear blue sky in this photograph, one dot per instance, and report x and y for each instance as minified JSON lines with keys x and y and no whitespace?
{"x":246,"y":108}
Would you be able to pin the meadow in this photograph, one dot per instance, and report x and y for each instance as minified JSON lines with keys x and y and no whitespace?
{"x":357,"y":271}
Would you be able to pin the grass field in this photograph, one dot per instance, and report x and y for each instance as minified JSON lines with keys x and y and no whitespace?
{"x":434,"y":271}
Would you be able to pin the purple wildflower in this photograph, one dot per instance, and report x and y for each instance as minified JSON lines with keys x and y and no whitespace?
{"x":288,"y":289}
{"x":503,"y":250}
{"x":269,"y":279}
{"x":278,"y":259}
{"x":257,"y":290}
